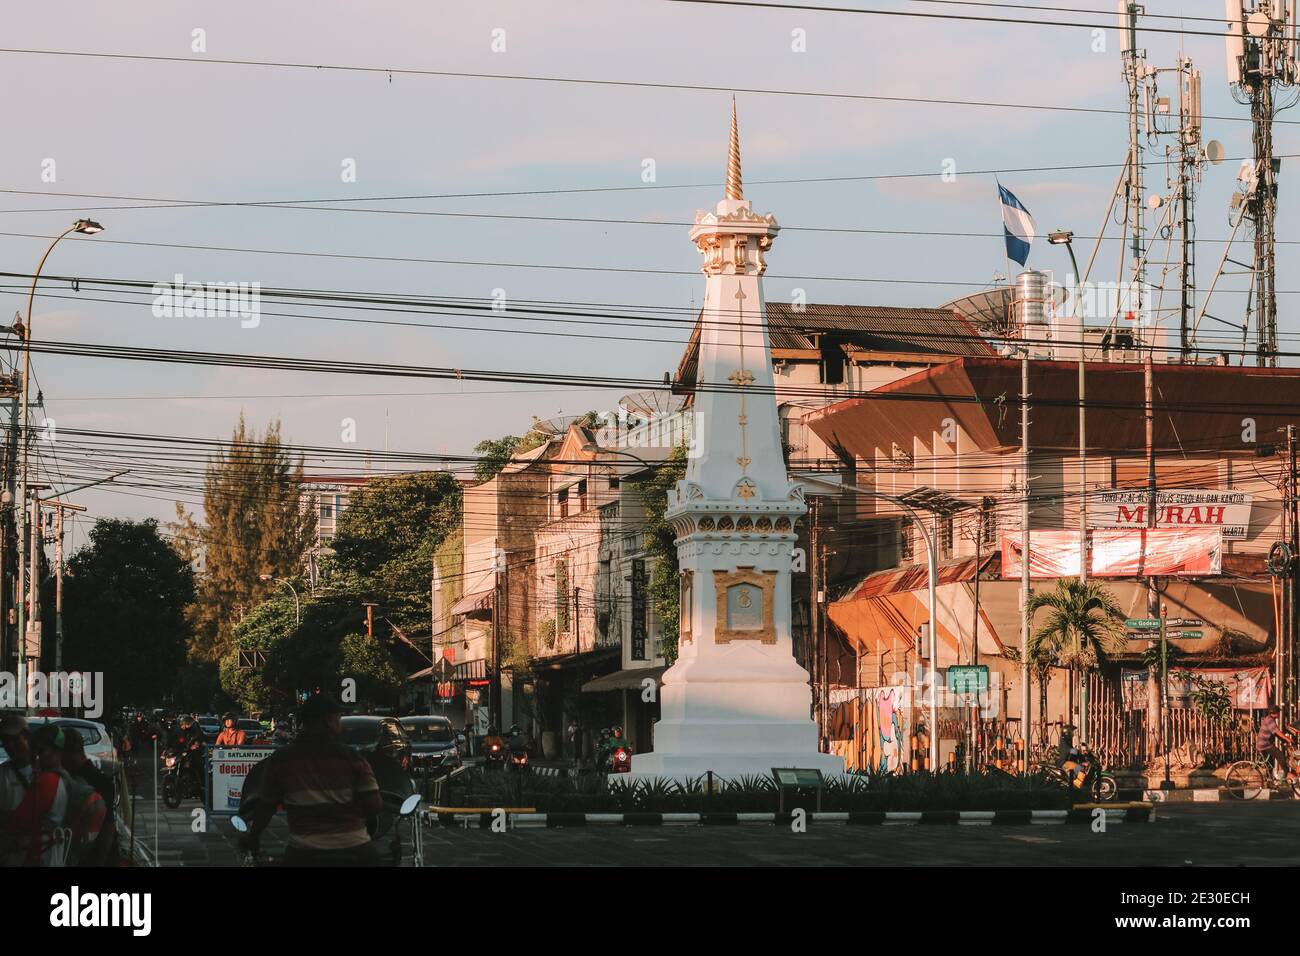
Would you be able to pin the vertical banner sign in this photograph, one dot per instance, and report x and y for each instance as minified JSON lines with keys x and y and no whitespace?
{"x":638,"y":610}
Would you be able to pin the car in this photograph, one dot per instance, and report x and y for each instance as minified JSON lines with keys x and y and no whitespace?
{"x":253,"y":730}
{"x":370,"y":733}
{"x":95,"y":737}
{"x":211,"y":726}
{"x":434,"y":743}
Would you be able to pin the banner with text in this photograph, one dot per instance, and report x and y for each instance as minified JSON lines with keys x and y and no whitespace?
{"x":1229,"y":511}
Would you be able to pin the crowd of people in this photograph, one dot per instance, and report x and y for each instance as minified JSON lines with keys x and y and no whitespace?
{"x":56,"y":806}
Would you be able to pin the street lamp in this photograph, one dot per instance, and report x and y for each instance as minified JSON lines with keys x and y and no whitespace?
{"x":935,"y":503}
{"x":297,"y":608}
{"x":87,"y":227}
{"x":1062,"y":237}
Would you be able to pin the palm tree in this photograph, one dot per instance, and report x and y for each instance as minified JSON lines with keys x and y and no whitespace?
{"x":1084,"y":626}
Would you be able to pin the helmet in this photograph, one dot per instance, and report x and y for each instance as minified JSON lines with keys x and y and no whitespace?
{"x":227,"y":717}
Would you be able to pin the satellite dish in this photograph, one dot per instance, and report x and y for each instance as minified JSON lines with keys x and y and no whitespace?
{"x":1214,"y":151}
{"x":1155,"y":202}
{"x":1258,"y":23}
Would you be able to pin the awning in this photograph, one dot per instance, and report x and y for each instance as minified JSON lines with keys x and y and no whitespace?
{"x":560,"y":661}
{"x":465,"y":670}
{"x":474,"y":601}
{"x":884,"y":610}
{"x":630,"y":679}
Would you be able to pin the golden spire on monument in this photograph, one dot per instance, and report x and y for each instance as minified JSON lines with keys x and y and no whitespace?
{"x":735,"y":188}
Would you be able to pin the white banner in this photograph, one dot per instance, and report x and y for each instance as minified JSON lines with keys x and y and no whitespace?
{"x":230,"y":765}
{"x":1178,"y":508}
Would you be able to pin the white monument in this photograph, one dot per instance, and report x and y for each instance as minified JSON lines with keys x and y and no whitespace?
{"x":735,"y":702}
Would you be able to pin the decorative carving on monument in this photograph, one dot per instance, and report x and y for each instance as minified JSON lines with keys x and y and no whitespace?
{"x":746,"y":608}
{"x":684,"y":613}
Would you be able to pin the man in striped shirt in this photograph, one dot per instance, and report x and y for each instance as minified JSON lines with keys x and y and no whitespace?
{"x":328,"y":792}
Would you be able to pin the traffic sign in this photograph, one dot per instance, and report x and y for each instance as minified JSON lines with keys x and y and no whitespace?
{"x":444,"y":670}
{"x":968,"y":679}
{"x":1184,"y":622}
{"x":1186,"y":634}
{"x":1143,"y":623}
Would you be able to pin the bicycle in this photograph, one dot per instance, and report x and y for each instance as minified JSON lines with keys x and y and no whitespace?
{"x":1248,"y":779}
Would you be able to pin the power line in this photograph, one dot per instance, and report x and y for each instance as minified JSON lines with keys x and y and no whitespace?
{"x":635,"y":84}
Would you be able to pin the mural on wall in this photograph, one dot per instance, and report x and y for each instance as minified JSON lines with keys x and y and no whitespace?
{"x":868,"y":729}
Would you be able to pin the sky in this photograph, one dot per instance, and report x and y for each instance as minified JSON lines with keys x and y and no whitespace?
{"x":194,"y":131}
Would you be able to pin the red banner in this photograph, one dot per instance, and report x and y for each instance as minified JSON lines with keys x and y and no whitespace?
{"x":1117,"y":553}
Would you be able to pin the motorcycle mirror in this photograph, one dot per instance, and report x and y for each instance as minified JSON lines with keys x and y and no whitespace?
{"x":409,"y":804}
{"x":239,"y":823}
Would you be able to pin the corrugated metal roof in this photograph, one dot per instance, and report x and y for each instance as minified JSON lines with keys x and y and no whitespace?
{"x":857,"y":329}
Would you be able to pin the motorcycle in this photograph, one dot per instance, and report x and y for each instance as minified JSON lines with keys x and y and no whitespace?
{"x":494,"y":752}
{"x":1082,"y":773}
{"x":406,"y":813}
{"x":616,"y":755}
{"x":518,"y":755}
{"x":179,"y":780}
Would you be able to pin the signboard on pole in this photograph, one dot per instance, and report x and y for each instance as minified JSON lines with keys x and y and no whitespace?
{"x":968,"y":679}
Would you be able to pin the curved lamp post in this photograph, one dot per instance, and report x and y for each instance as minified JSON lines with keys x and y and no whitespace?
{"x":297,"y":608}
{"x":87,"y":227}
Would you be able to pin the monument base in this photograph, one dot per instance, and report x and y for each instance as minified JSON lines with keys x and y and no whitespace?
{"x":741,"y":715}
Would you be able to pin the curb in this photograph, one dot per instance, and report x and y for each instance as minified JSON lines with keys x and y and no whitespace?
{"x":1134,"y":813}
{"x":1204,"y":795}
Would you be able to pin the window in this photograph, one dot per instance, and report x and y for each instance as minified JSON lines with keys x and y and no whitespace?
{"x":326,"y":510}
{"x":905,"y":540}
{"x":581,"y":488}
{"x":613,"y":484}
{"x":832,"y":360}
{"x":562,"y":497}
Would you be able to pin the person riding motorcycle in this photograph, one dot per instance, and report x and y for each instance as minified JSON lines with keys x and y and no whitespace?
{"x":230,"y":736}
{"x":187,"y":741}
{"x":495,"y":746}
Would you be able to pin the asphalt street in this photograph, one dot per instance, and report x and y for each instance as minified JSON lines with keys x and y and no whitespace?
{"x":1258,"y":833}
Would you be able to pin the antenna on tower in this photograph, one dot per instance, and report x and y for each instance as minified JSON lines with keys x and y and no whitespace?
{"x":1135,"y":74}
{"x":1261,"y":47}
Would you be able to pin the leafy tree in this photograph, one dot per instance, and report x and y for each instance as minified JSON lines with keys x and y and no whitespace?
{"x":1084,"y":626}
{"x":665,"y":586}
{"x":255,"y":525}
{"x":493,"y":454}
{"x":125,"y":596}
{"x":387,"y":541}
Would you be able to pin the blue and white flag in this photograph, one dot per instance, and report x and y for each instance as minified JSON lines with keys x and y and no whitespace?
{"x":1017,"y":224}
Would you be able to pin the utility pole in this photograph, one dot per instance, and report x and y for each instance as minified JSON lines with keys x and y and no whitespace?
{"x":1286,"y":678}
{"x":1135,"y":72}
{"x":1025,"y":623}
{"x":814,"y":616}
{"x":818,"y":609}
{"x":1261,"y":58}
{"x":60,"y":506}
{"x":1148,"y":415}
{"x":34,"y":647}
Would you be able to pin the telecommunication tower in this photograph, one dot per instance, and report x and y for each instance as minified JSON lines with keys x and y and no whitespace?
{"x":1261,"y":62}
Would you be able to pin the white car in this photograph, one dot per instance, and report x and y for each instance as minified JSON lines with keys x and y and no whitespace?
{"x":94,"y":735}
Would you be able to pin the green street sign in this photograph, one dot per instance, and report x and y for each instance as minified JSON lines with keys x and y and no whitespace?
{"x":1143,"y":624}
{"x":1187,"y":634}
{"x":968,"y":679}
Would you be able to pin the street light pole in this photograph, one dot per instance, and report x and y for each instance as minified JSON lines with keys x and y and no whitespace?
{"x":297,"y":607}
{"x":932,"y":577}
{"x":86,"y":227}
{"x":1063,"y":237}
